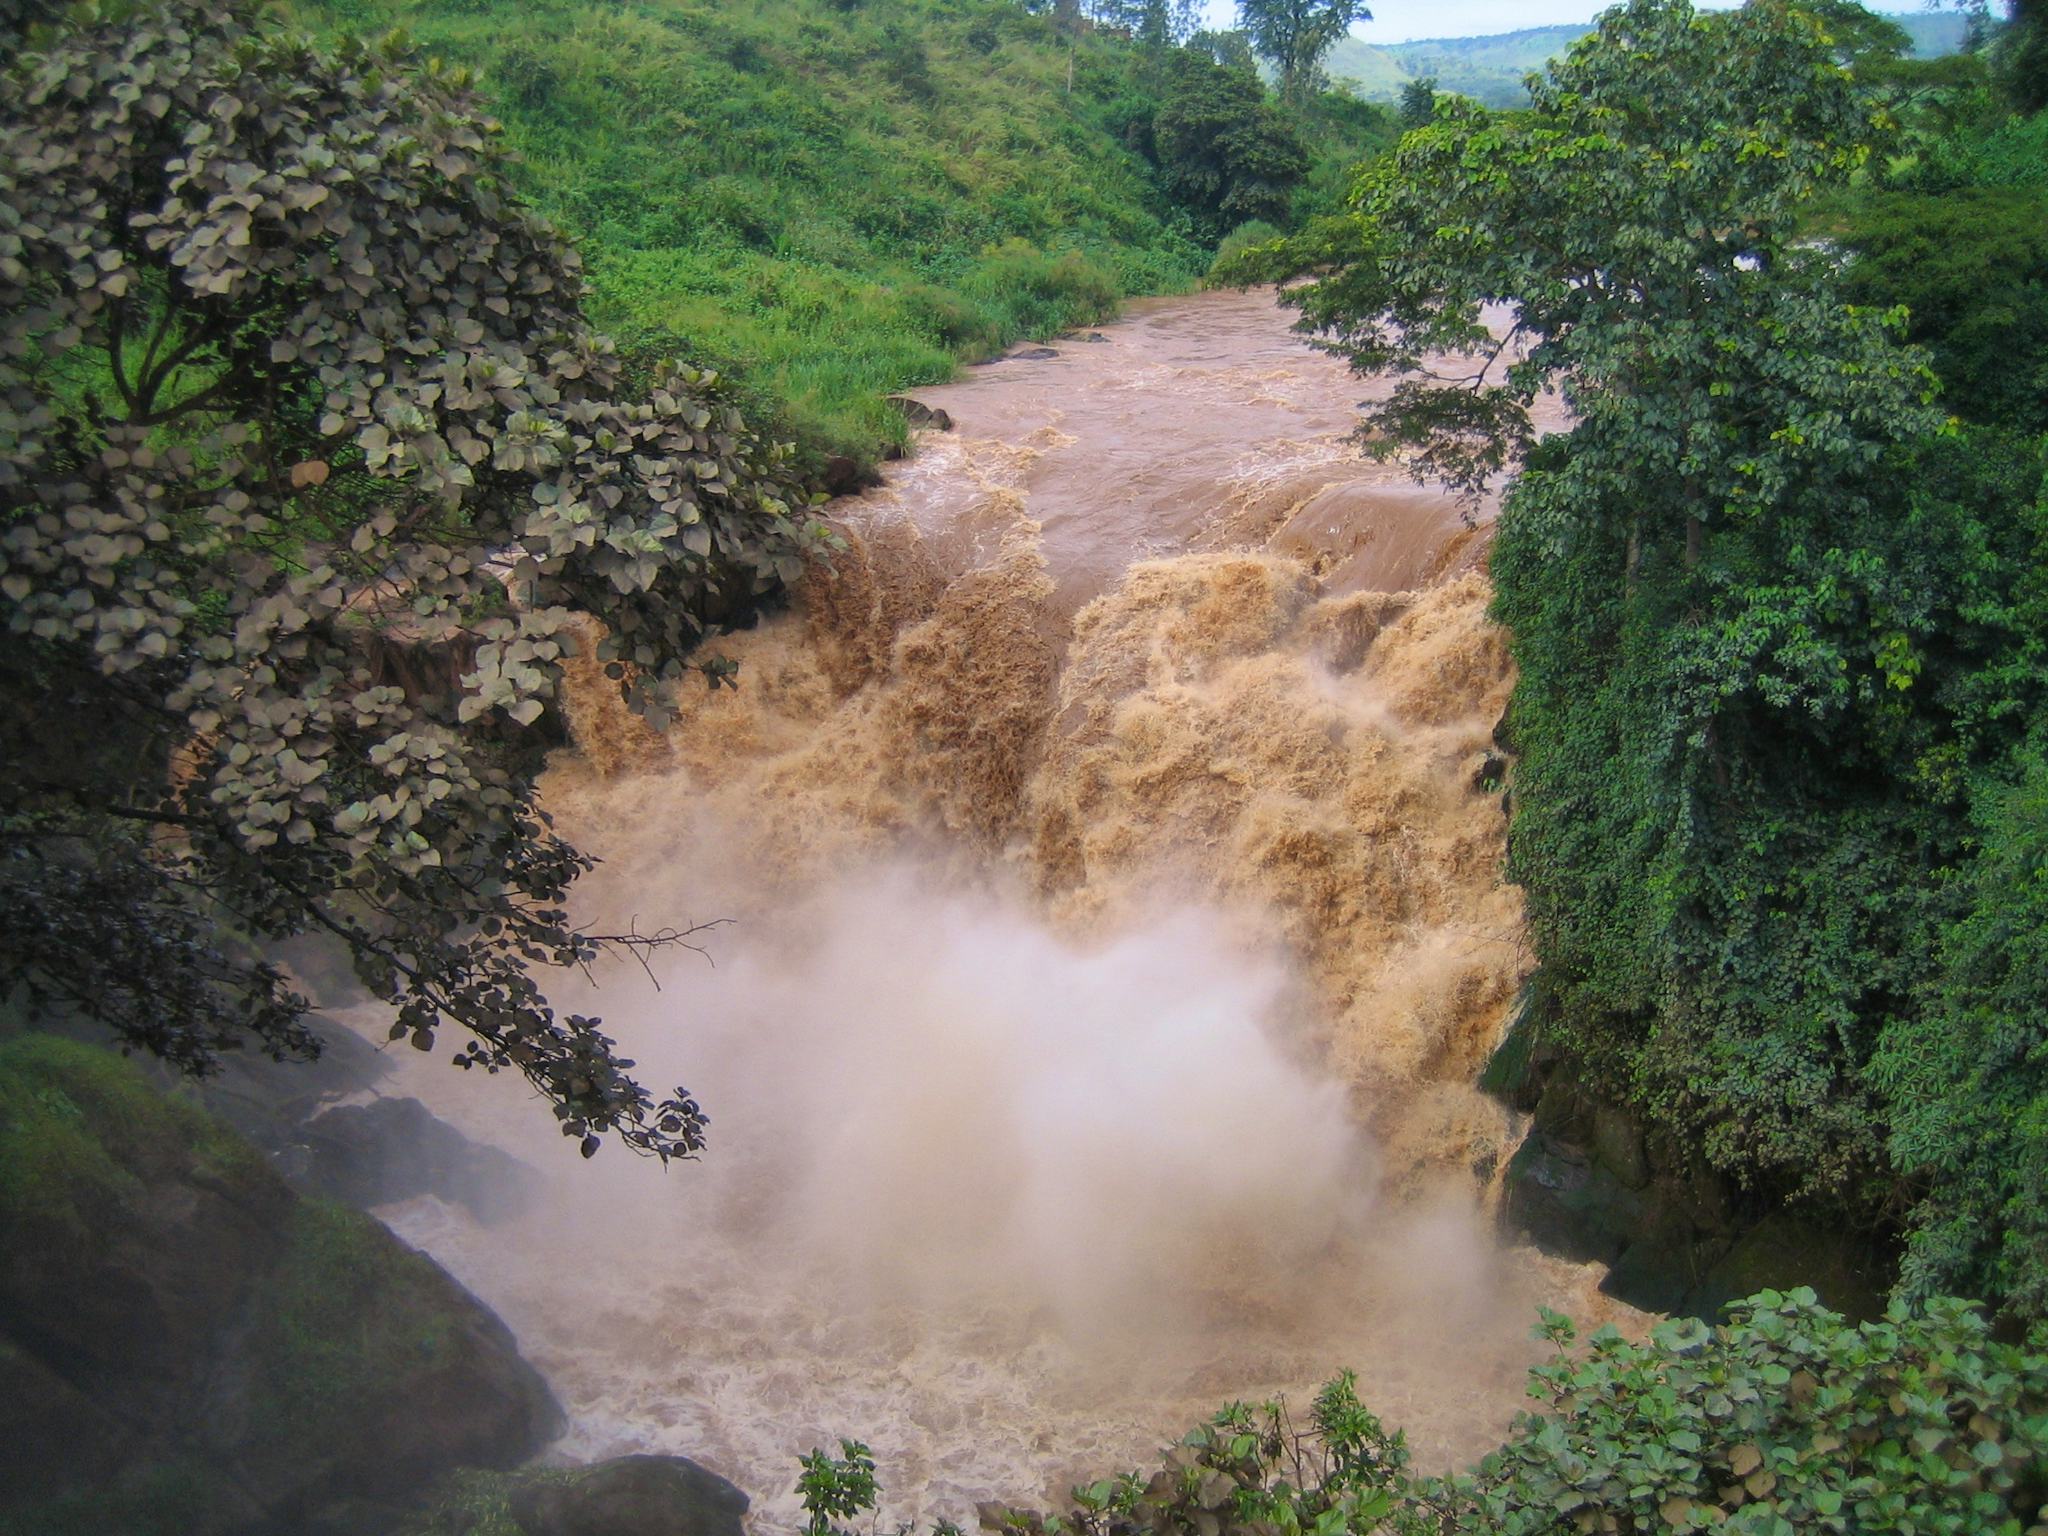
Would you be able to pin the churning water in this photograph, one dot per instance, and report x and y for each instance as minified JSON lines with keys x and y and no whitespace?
{"x":1118,"y":927}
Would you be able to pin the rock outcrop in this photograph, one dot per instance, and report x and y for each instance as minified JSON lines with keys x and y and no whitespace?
{"x":632,"y":1496}
{"x":394,"y":1149}
{"x":918,"y":414}
{"x":184,"y":1336}
{"x":1591,"y":1183}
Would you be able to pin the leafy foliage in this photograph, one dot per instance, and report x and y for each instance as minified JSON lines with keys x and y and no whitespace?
{"x":1295,"y":35}
{"x":1783,"y":1419}
{"x":284,"y":362}
{"x":1223,"y":153}
{"x":1775,"y":615}
{"x":1971,"y":267}
{"x":836,"y":1488}
{"x":1968,"y":1076}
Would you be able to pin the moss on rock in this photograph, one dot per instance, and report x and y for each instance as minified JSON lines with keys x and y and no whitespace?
{"x":257,"y":1358}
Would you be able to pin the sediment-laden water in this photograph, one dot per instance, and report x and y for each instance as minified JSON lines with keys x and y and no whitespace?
{"x":1112,"y":849}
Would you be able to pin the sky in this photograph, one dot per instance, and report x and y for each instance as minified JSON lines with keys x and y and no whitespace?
{"x":1400,"y":21}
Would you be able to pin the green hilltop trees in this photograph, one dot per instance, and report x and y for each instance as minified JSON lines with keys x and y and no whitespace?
{"x":283,"y":366}
{"x":1295,"y":35}
{"x":1224,"y":154}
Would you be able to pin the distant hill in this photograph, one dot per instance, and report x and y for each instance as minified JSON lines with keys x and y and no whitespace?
{"x":1490,"y":69}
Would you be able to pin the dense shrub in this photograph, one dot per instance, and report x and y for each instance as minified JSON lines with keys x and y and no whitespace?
{"x":1784,"y":1419}
{"x":1224,"y":154}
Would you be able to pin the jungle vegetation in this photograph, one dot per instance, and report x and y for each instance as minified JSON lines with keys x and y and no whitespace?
{"x":1775,"y":596}
{"x":296,"y":379}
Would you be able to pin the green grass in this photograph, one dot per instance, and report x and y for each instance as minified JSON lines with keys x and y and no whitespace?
{"x":833,"y":201}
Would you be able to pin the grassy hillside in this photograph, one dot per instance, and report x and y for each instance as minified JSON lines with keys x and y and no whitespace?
{"x":1373,"y":71}
{"x":1490,"y":69}
{"x":833,"y":198}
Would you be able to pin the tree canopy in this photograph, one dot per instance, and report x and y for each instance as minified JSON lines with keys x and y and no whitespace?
{"x":1294,"y":36}
{"x":1775,"y":612}
{"x":285,"y":367}
{"x":1223,"y":153}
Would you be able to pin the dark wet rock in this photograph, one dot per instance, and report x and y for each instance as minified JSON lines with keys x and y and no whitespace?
{"x":632,"y":1496}
{"x":357,"y":1517}
{"x":52,"y":1434}
{"x":270,"y":1101}
{"x":1514,"y":1073}
{"x":844,"y":476}
{"x":397,"y":1149}
{"x":1504,"y":731}
{"x":1663,"y":1262}
{"x":1592,"y":1182}
{"x":918,"y":414}
{"x":1560,"y":1200}
{"x":1786,"y":1250}
{"x":255,"y":1356}
{"x":1618,"y":1146}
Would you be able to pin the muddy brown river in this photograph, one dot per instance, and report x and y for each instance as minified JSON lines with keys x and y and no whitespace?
{"x":1116,"y":929}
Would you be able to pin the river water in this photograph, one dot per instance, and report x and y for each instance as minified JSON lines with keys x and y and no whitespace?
{"x":1116,"y":926}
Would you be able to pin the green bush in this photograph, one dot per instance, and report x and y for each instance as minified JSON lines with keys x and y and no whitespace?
{"x":1783,"y":1420}
{"x":1241,"y":239}
{"x":1040,"y":294}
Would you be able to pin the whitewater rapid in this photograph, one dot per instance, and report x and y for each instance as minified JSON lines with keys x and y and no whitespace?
{"x":1112,"y":847}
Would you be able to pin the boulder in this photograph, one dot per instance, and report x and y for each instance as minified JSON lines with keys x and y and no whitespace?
{"x":842,"y":475}
{"x":396,"y":1149}
{"x":52,"y":1434}
{"x":1592,"y":1182}
{"x":1618,"y":1146}
{"x":269,"y":1101}
{"x":1786,"y":1250}
{"x":632,"y":1496}
{"x":1560,"y":1200}
{"x":918,"y":414}
{"x":249,"y":1354}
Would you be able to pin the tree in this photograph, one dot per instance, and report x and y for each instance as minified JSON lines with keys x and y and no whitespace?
{"x":1294,"y":35}
{"x":1168,"y":23}
{"x":284,"y":366}
{"x":1223,"y":153}
{"x":2023,"y":56}
{"x":1971,"y":267}
{"x":1418,"y":101}
{"x":1769,"y":613}
{"x":1231,"y":50}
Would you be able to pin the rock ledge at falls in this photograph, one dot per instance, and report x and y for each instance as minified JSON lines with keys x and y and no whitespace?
{"x":1590,"y":1182}
{"x":632,"y":1496}
{"x":186,"y":1344}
